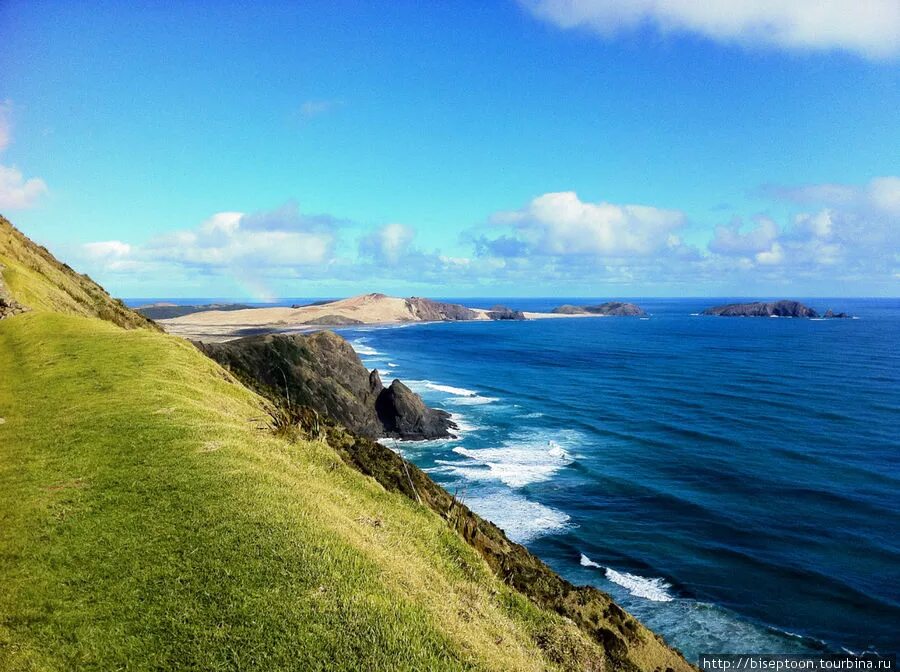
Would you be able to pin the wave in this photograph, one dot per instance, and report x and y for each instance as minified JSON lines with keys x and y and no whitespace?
{"x":392,"y":365}
{"x":587,"y":562}
{"x":463,"y":425}
{"x":449,"y":389}
{"x":515,"y":463}
{"x":655,"y":590}
{"x":474,"y":400}
{"x":362,"y":349}
{"x":521,"y":519}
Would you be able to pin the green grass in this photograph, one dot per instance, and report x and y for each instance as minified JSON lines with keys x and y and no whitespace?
{"x":148,"y":522}
{"x":33,"y":277}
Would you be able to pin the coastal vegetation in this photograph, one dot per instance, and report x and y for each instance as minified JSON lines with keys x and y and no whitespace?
{"x":156,"y":513}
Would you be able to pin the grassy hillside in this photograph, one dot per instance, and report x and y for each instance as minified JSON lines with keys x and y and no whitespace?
{"x":151,"y":519}
{"x":146,"y":521}
{"x":33,"y":277}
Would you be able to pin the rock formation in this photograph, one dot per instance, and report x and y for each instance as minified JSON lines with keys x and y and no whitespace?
{"x":427,"y":310}
{"x":323,"y":372}
{"x":762,"y":309}
{"x":504,"y":313}
{"x":611,"y":308}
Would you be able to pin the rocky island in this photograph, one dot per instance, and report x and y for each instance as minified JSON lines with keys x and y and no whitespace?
{"x":783,"y":308}
{"x":611,"y":309}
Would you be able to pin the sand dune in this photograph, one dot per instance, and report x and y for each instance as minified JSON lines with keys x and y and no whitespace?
{"x":363,"y":309}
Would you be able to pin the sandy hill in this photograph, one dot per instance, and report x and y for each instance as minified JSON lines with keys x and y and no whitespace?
{"x":157,"y":514}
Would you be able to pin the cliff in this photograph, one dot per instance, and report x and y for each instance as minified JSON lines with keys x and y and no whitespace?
{"x":762,"y":309}
{"x":323,"y":372}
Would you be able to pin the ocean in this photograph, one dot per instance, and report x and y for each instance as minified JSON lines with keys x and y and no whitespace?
{"x":733,"y":482}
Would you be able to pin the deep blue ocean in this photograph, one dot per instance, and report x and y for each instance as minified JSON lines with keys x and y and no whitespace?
{"x":733,"y":482}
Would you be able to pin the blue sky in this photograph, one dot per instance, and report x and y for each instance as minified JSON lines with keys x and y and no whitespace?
{"x":546,"y":147}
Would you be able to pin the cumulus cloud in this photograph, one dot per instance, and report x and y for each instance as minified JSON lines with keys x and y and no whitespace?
{"x":870,"y":28}
{"x":847,"y":230}
{"x":562,"y":224}
{"x":259,"y":243}
{"x":388,"y":244}
{"x":16,"y":191}
{"x":732,"y":240}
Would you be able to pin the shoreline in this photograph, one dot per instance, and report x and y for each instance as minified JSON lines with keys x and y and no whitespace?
{"x":207,"y":328}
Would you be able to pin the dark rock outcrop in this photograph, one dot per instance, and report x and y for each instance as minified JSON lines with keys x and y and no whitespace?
{"x":404,"y":415}
{"x":830,"y":314}
{"x":8,"y":308}
{"x":322,"y":371}
{"x":762,"y":309}
{"x":611,"y":308}
{"x":437,"y":311}
{"x":504,"y":313}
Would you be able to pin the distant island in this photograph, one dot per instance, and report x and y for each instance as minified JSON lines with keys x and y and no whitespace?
{"x":781,"y":308}
{"x":611,"y":309}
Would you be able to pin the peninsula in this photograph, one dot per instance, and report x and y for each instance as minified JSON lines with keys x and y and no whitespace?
{"x":221,"y":325}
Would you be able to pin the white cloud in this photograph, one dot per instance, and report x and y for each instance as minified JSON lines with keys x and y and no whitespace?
{"x":867,"y":27}
{"x":771,"y":257}
{"x":388,"y":244}
{"x":730,"y":240}
{"x":19,"y":193}
{"x":107,"y":249}
{"x":884,"y":193}
{"x":257,"y":244}
{"x":562,"y":224}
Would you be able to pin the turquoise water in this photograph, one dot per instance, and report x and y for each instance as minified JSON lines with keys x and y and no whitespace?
{"x":732,"y":482}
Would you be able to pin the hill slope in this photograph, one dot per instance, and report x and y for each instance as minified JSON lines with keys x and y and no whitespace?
{"x":32,"y":277}
{"x":150,"y":519}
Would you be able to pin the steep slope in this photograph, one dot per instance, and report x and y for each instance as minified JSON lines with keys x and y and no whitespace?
{"x":34,"y":279}
{"x":151,"y":519}
{"x":323,"y":372}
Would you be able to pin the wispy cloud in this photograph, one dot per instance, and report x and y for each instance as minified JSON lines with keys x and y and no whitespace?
{"x":316,"y":108}
{"x":870,"y":28}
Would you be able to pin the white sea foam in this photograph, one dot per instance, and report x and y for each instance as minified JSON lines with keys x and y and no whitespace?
{"x":536,"y":414}
{"x":587,"y":562}
{"x":694,"y":314}
{"x":462,"y":424}
{"x":475,"y":400}
{"x":515,"y":463}
{"x":392,"y":365}
{"x":521,"y":519}
{"x":362,"y":349}
{"x":656,"y":590}
{"x":449,"y":389}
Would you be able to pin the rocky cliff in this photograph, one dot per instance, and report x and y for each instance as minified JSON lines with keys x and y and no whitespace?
{"x":323,"y":372}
